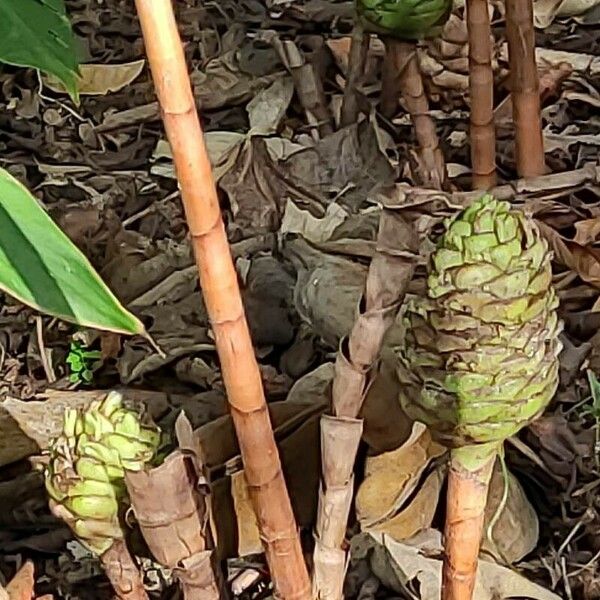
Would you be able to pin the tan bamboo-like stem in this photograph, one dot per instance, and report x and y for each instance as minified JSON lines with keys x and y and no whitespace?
{"x":404,"y":75}
{"x":123,"y":573}
{"x":529,"y":142}
{"x":481,"y":88}
{"x":356,"y":66}
{"x":468,"y":483}
{"x":220,"y":287}
{"x":387,"y":279}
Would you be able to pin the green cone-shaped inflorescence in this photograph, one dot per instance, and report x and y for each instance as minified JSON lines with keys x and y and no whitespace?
{"x":405,"y":19}
{"x":480,"y":356}
{"x":85,"y":475}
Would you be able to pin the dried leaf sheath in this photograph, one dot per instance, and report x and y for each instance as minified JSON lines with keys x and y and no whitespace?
{"x":402,"y":74}
{"x":173,"y":518}
{"x":481,"y":88}
{"x":221,"y":292}
{"x":525,"y":92}
{"x":389,"y":274}
{"x":123,"y":573}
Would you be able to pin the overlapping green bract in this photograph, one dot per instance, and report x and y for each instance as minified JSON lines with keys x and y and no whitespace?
{"x":480,"y":358}
{"x":85,"y":476}
{"x":405,"y":19}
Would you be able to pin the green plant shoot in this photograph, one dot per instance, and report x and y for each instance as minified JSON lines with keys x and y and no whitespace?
{"x":82,"y":362}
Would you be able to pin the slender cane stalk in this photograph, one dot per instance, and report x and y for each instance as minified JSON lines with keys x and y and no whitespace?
{"x":359,"y":48}
{"x":525,"y":92}
{"x":481,"y":87}
{"x":390,"y":84}
{"x":403,"y":74}
{"x":388,"y":277}
{"x":468,"y":481}
{"x":220,"y":287}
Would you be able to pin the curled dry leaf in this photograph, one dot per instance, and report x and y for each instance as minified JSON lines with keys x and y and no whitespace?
{"x":516,"y":531}
{"x":396,"y":564}
{"x":584,"y":260}
{"x":418,"y":515}
{"x":391,"y":477}
{"x":587,"y":231}
{"x":545,"y":11}
{"x":269,"y":106}
{"x":99,"y":80}
{"x":223,"y":148}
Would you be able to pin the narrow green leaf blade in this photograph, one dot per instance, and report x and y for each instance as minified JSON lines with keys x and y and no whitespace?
{"x":42,"y":268}
{"x":37,"y":33}
{"x":595,"y":390}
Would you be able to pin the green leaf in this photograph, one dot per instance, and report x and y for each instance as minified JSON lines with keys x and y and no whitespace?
{"x":37,"y":33}
{"x":595,"y":390}
{"x":42,"y":268}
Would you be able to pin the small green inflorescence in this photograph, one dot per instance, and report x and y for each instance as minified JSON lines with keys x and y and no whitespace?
{"x":405,"y":19}
{"x":85,"y":478}
{"x":480,"y":356}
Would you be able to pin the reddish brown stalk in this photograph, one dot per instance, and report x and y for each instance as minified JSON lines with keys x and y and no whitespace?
{"x":403,"y":67}
{"x":359,"y":48}
{"x":481,"y":86}
{"x":220,"y":288}
{"x":388,"y":277}
{"x":465,"y":511}
{"x":391,"y":82}
{"x":529,"y":141}
{"x":123,"y":573}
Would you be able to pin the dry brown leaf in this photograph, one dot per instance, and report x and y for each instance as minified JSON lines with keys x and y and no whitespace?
{"x":545,"y":11}
{"x":557,"y":445}
{"x":396,"y":564}
{"x":269,"y":106}
{"x":296,"y":427}
{"x":247,"y":526}
{"x":99,"y":80}
{"x":340,"y":48}
{"x":311,"y":228}
{"x":418,"y":515}
{"x":516,"y":531}
{"x":327,"y":291}
{"x":223,"y":148}
{"x":579,"y":61}
{"x":587,"y":231}
{"x":386,"y":426}
{"x":391,"y":477}
{"x":255,"y":188}
{"x":584,"y":260}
